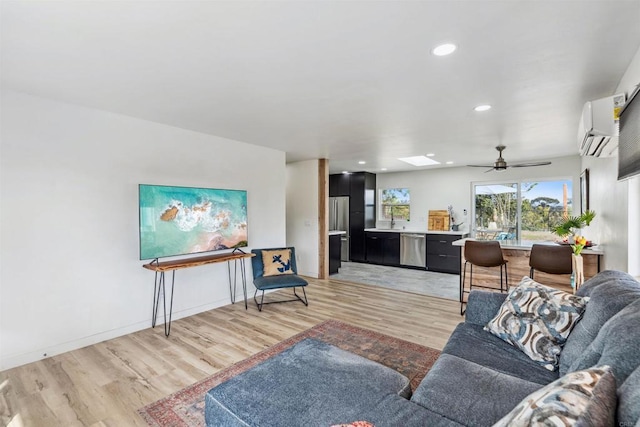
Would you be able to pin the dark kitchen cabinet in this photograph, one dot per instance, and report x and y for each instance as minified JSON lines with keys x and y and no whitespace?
{"x":442,"y":256}
{"x":391,"y":248}
{"x":383,"y":248}
{"x":335,"y":246}
{"x":375,"y":250}
{"x":361,"y":189}
{"x":356,"y":203}
{"x":340,"y":185}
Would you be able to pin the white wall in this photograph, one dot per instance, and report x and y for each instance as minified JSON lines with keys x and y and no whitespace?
{"x":302,"y":215}
{"x":433,"y":189}
{"x":617,"y":203}
{"x":634,"y":227}
{"x":70,"y":273}
{"x":609,"y":200}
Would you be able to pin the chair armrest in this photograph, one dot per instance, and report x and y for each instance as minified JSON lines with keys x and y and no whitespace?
{"x":483,"y":306}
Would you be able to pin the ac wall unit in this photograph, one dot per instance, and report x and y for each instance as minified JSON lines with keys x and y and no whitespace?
{"x":598,"y":128}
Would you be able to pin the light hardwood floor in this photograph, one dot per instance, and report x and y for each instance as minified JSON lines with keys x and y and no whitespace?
{"x":104,"y":384}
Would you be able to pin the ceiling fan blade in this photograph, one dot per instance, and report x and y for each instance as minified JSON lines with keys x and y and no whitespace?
{"x":490,"y":170}
{"x":526,"y":165}
{"x":480,"y":166}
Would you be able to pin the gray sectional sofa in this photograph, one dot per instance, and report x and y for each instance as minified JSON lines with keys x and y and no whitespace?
{"x":477,"y":379}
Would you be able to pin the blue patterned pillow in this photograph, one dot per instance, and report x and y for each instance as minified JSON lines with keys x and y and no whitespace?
{"x":584,"y":398}
{"x":537,"y":320}
{"x":276,"y":262}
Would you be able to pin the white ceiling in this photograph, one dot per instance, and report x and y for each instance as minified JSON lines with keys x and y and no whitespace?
{"x":344,"y":80}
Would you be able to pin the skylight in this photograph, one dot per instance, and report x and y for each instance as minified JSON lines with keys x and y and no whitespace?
{"x":419,"y":161}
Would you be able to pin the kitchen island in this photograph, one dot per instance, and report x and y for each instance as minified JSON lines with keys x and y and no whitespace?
{"x":335,"y":250}
{"x":517,"y":253}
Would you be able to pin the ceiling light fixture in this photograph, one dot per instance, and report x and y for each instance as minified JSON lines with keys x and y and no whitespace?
{"x":362,"y":162}
{"x":444,"y":49}
{"x":419,"y":161}
{"x":449,"y":162}
{"x":345,"y":172}
{"x":383,"y":169}
{"x":484,"y":107}
{"x":430,"y":155}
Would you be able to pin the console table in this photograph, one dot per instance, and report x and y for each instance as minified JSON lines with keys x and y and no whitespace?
{"x":161,"y":267}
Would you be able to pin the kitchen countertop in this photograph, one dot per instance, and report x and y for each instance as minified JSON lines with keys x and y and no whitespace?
{"x":525,"y":245}
{"x":337,"y":233}
{"x":408,"y":231}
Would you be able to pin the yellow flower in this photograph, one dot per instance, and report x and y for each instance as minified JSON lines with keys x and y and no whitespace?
{"x":579,"y":244}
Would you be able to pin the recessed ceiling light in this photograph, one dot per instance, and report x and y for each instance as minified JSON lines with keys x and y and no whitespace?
{"x":483,"y":107}
{"x":430,"y":155}
{"x":345,"y":172}
{"x":444,"y":49}
{"x":419,"y":161}
{"x":362,"y":162}
{"x":449,"y":162}
{"x":383,"y":169}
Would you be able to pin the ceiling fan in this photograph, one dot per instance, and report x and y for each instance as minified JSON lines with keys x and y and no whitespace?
{"x":501,"y":165}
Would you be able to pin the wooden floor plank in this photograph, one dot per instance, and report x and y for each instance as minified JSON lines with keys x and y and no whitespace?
{"x":104,"y":384}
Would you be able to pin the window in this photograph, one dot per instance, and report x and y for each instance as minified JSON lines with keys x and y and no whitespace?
{"x":395,"y":204}
{"x":496,"y":211}
{"x":526,"y":210}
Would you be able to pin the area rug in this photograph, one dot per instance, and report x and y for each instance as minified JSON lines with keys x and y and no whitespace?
{"x":186,"y":407}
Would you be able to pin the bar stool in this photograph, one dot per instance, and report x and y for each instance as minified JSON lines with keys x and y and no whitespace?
{"x":482,"y":254}
{"x":551,"y":259}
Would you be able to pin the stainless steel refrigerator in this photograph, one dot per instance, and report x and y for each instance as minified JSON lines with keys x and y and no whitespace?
{"x":339,"y":221}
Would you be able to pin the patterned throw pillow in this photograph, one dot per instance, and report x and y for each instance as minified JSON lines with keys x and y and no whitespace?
{"x":277,"y":262}
{"x":585,"y":398}
{"x":537,"y":320}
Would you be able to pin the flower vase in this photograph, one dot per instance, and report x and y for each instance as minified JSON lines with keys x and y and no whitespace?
{"x":578,"y":271}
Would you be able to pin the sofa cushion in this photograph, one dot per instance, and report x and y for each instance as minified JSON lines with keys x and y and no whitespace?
{"x":482,"y":306}
{"x":473,"y":343}
{"x":469,"y":393}
{"x":303,"y":382}
{"x":604,"y":277}
{"x":617,"y":345}
{"x":392,"y":410}
{"x":537,"y":319}
{"x":585,"y":398}
{"x":629,"y":400}
{"x":609,"y":292}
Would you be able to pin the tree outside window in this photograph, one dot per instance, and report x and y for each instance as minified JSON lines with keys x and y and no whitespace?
{"x":521,"y":210}
{"x":395,"y":204}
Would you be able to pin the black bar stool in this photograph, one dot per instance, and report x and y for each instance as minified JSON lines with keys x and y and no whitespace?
{"x":483,"y":254}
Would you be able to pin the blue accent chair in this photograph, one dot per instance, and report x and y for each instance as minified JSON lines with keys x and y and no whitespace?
{"x":264,"y":283}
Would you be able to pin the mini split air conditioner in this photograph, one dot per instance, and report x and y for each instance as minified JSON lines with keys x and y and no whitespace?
{"x":598,"y":129}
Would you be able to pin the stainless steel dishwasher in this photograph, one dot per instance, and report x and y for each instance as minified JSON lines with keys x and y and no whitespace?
{"x":413,"y":249}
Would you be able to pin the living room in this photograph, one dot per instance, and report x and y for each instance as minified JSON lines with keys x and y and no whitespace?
{"x":71,"y":275}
